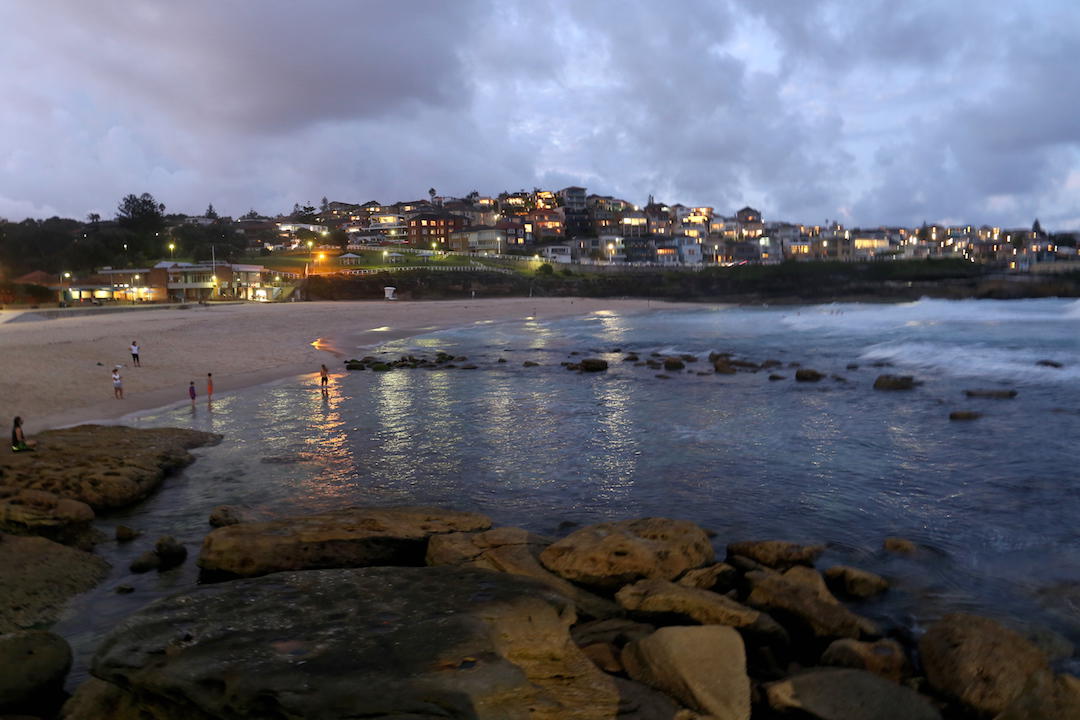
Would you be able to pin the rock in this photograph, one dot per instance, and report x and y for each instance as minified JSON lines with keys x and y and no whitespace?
{"x":34,"y":665}
{"x":978,"y":662}
{"x":853,"y":366}
{"x":964,"y":415}
{"x":145,"y":562}
{"x":593,"y":365}
{"x":805,"y":606}
{"x":124,"y":589}
{"x":605,"y":656}
{"x":37,"y":512}
{"x":774,"y":377}
{"x":885,"y":658}
{"x":39,"y":577}
{"x":354,"y":365}
{"x":719,"y":575}
{"x":992,"y":394}
{"x":777,"y":553}
{"x":609,"y":555}
{"x":854,"y":582}
{"x":385,"y":642}
{"x":671,"y":364}
{"x":470,"y":366}
{"x":708,"y":608}
{"x":1046,"y":697}
{"x":501,"y":360}
{"x":1049,"y":363}
{"x":640,"y":702}
{"x":615,"y":631}
{"x":353,"y":537}
{"x":771,"y":364}
{"x":631,"y":358}
{"x":104,"y":466}
{"x":848,"y":695}
{"x":807,"y":375}
{"x":899,"y":545}
{"x":662,"y":376}
{"x":125,"y":534}
{"x":516,"y":551}
{"x":170,"y":552}
{"x":723,"y":366}
{"x":530,"y":363}
{"x":224,"y":515}
{"x":703,"y":667}
{"x":894,"y":382}
{"x":812,"y":580}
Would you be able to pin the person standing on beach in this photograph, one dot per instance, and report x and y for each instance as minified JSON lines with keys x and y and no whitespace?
{"x":324,"y":379}
{"x":117,"y":384}
{"x":191,"y":393}
{"x":135,"y":354}
{"x":209,"y":388}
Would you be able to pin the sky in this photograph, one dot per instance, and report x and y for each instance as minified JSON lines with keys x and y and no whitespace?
{"x":865,"y":112}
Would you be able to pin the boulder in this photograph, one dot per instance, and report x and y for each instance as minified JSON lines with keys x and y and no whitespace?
{"x":34,"y":665}
{"x":718,"y":575}
{"x":39,"y":577}
{"x":673,"y":363}
{"x":614,"y":631}
{"x":808,"y":375}
{"x":704,"y":668}
{"x":516,"y":551}
{"x":640,"y":702}
{"x":899,"y":545}
{"x":353,"y":537}
{"x":170,"y":552}
{"x":38,"y":512}
{"x":224,"y":515}
{"x":663,"y":598}
{"x":723,"y":366}
{"x":978,"y":662}
{"x":855,"y":583}
{"x":1046,"y":697}
{"x":964,"y":415}
{"x":806,"y":607}
{"x":894,"y":382}
{"x":991,"y":394}
{"x":125,"y":534}
{"x":777,"y":553}
{"x":774,"y":377}
{"x":885,"y":658}
{"x":1049,"y":363}
{"x":604,"y":655}
{"x":848,"y":695}
{"x":104,"y":466}
{"x":593,"y":365}
{"x":371,"y":642}
{"x":530,"y":363}
{"x":609,"y":555}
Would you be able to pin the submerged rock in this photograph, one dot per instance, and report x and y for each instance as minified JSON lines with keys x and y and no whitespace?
{"x":593,"y":365}
{"x":609,"y":555}
{"x":372,"y":642}
{"x":992,"y":394}
{"x":964,"y":415}
{"x":894,"y":382}
{"x":899,"y":545}
{"x":854,"y":582}
{"x":354,"y":537}
{"x":807,"y":375}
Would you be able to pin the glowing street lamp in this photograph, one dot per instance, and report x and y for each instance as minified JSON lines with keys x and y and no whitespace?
{"x":611,"y":251}
{"x":172,"y":251}
{"x":62,"y":276}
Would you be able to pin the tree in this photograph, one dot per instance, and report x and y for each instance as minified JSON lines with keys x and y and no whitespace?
{"x":251,"y":214}
{"x":211,"y":212}
{"x":431,"y":192}
{"x":93,"y":218}
{"x":1036,"y":229}
{"x":303,"y":213}
{"x":339,"y":237}
{"x":141,"y":214}
{"x":324,"y":205}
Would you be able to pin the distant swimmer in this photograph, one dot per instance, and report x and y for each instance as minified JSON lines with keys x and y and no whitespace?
{"x":191,"y":393}
{"x":19,"y":443}
{"x":135,"y":354}
{"x":209,"y":388}
{"x":117,"y":384}
{"x":324,"y":379}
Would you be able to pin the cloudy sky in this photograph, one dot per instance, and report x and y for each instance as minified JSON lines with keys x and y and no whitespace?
{"x":865,"y":111}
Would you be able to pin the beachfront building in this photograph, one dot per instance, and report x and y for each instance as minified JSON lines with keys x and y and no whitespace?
{"x":186,"y":282}
{"x":481,"y":239}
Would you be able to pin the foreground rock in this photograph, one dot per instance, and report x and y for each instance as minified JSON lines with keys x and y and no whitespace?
{"x":806,"y":607}
{"x":104,"y":466}
{"x":848,"y":695}
{"x":34,"y":665}
{"x":777,"y":553}
{"x":854,"y":582}
{"x":37,"y":512}
{"x":38,"y":577}
{"x":978,"y":662}
{"x":418,"y":643}
{"x":354,"y":537}
{"x":702,"y":667}
{"x":885,"y":658}
{"x":609,"y":555}
{"x":516,"y":551}
{"x":703,"y":606}
{"x":1046,"y":697}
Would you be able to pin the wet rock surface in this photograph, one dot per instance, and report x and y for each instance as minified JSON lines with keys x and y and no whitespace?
{"x":848,"y":695}
{"x":33,"y":664}
{"x":37,"y":512}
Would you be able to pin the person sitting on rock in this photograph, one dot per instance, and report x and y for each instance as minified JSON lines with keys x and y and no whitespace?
{"x":19,"y":443}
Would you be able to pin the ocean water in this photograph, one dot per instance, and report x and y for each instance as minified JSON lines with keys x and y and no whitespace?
{"x":994,"y":504}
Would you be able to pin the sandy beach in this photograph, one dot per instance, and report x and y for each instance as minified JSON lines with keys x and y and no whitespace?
{"x":57,"y":372}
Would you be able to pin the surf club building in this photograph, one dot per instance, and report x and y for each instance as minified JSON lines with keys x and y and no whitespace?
{"x":190,"y":282}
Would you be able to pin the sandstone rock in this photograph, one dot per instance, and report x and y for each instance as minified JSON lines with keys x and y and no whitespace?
{"x":1046,"y":697}
{"x":125,"y":534}
{"x":593,"y":365}
{"x":894,"y":382}
{"x":992,"y":394}
{"x":854,"y":582}
{"x":885,"y":658}
{"x":145,"y":562}
{"x":671,"y":364}
{"x":978,"y":662}
{"x":616,"y":631}
{"x":225,"y":515}
{"x":354,"y":537}
{"x":724,"y":367}
{"x":104,"y":466}
{"x":718,"y":575}
{"x":812,"y":580}
{"x":604,"y":655}
{"x":37,"y":512}
{"x":39,"y":577}
{"x":640,"y":702}
{"x":703,"y":667}
{"x":34,"y":664}
{"x":899,"y":545}
{"x":516,"y":551}
{"x":807,"y":375}
{"x":372,"y":642}
{"x":608,"y":555}
{"x":708,"y":608}
{"x":964,"y":415}
{"x":805,"y":606}
{"x":848,"y":695}
{"x":170,"y":552}
{"x":774,"y":377}
{"x":777,"y":553}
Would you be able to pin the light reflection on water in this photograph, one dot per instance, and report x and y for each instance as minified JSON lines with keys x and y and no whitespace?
{"x":748,"y":458}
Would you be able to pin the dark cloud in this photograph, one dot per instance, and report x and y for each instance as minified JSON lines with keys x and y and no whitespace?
{"x":870,"y":112}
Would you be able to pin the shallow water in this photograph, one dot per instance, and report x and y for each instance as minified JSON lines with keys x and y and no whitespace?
{"x":992,"y":502}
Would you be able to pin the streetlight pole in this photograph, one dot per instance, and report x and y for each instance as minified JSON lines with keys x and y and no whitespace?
{"x":310,"y":247}
{"x":62,"y":276}
{"x":172,"y":251}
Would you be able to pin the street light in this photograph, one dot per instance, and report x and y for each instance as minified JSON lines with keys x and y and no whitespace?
{"x":172,"y":251}
{"x":611,"y":252}
{"x":135,"y":290}
{"x":62,"y":276}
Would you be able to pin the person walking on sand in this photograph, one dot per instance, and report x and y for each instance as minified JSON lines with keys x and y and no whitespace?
{"x":117,"y":384}
{"x":324,"y":379}
{"x":209,"y":388}
{"x":19,"y":443}
{"x":135,"y":354}
{"x":191,"y":393}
